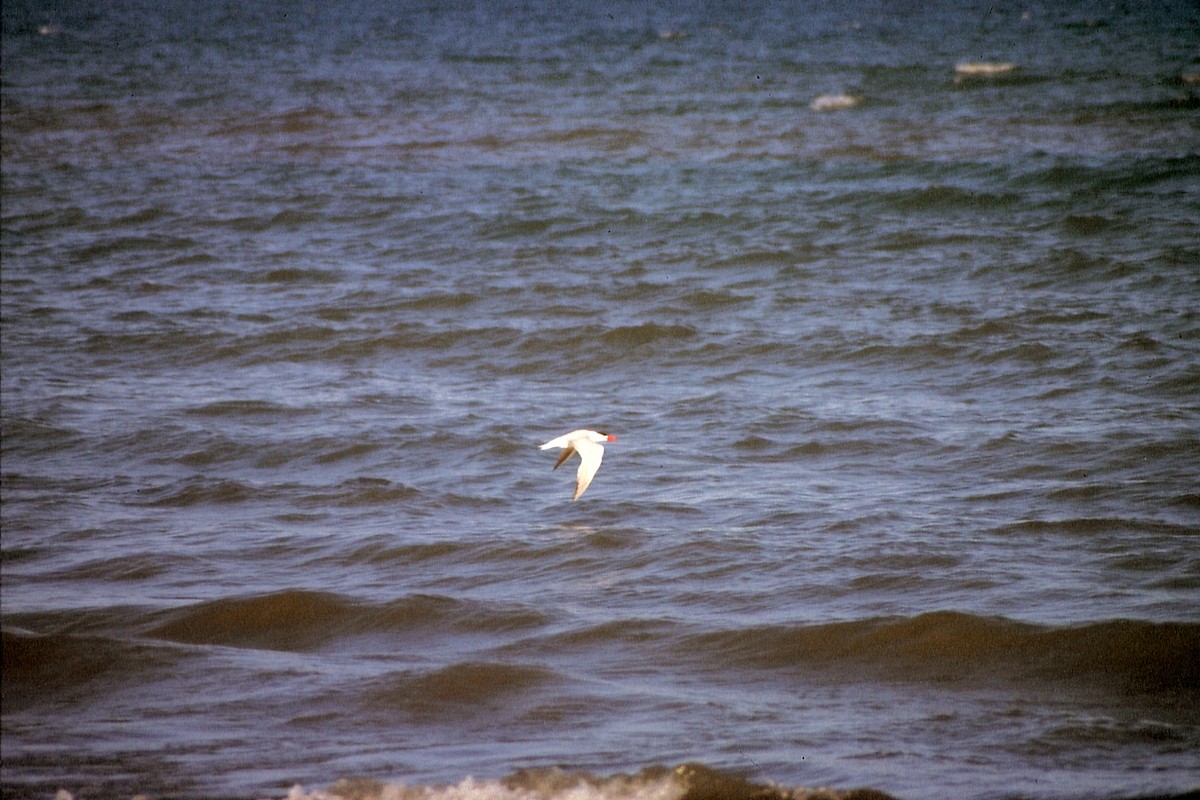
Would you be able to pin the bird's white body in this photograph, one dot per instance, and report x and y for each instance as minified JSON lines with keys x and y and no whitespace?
{"x":589,"y":445}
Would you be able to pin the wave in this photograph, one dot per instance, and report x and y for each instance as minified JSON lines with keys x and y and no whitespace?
{"x":969,"y":75}
{"x":942,"y":647}
{"x":202,"y":490}
{"x":475,"y":688}
{"x":239,"y":408}
{"x":691,"y":781}
{"x":1095,"y":525}
{"x":298,"y":620}
{"x":1164,"y":174}
{"x":40,"y":668}
{"x":647,"y":334}
{"x":834,"y":102}
{"x":949,"y":647}
{"x":932,"y":198}
{"x":199,"y":490}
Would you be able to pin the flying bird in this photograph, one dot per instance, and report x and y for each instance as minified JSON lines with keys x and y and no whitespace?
{"x":589,"y":445}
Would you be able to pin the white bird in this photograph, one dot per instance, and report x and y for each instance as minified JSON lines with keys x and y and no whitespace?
{"x":589,"y":445}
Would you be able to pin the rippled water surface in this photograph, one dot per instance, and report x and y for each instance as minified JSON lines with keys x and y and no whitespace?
{"x":896,"y":317}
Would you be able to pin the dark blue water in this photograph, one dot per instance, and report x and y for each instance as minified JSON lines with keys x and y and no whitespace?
{"x":894,"y":311}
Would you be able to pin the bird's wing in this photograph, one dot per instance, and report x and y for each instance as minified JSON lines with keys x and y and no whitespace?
{"x":562,"y":441}
{"x":590,"y":455}
{"x":568,"y":449}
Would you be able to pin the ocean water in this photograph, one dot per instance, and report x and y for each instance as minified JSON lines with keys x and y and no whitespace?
{"x":894,"y":310}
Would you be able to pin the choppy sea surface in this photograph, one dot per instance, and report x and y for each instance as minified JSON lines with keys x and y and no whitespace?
{"x":894,"y":310}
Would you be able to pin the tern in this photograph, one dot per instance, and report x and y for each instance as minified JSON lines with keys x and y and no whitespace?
{"x":589,"y":445}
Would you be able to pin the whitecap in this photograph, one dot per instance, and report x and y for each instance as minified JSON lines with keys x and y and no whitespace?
{"x":982,"y":70}
{"x":834,"y":102}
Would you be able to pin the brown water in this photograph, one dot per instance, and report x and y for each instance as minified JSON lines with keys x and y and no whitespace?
{"x":907,"y":396}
